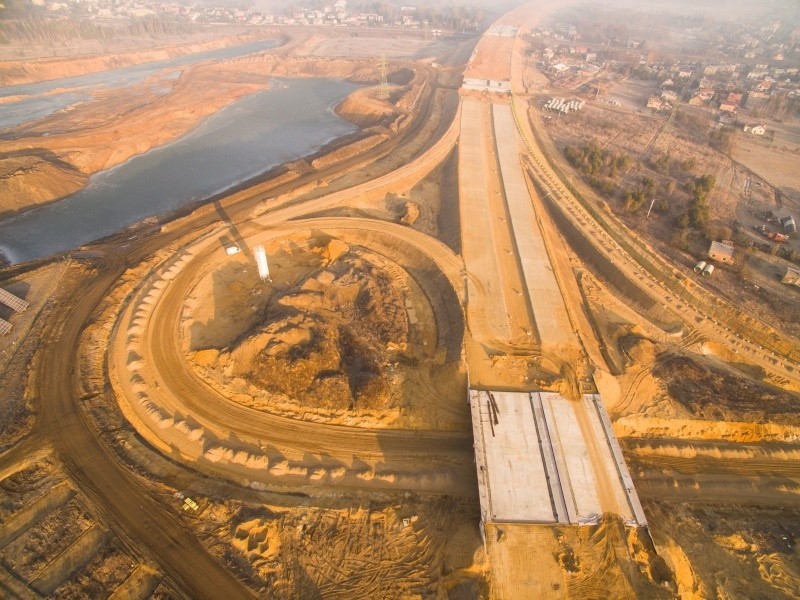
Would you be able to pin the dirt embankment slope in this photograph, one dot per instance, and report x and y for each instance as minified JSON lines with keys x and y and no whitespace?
{"x":106,"y":132}
{"x":54,"y":157}
{"x":16,"y":72}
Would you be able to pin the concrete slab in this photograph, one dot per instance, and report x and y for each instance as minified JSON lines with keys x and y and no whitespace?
{"x":617,"y":496}
{"x":578,"y":482}
{"x":512,"y":467}
{"x":542,"y":458}
{"x":487,"y":305}
{"x":630,"y":508}
{"x":544,"y":293}
{"x":10,"y":300}
{"x":550,"y":460}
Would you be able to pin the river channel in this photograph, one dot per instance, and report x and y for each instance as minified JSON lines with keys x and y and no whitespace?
{"x":38,"y":100}
{"x":293,"y":118}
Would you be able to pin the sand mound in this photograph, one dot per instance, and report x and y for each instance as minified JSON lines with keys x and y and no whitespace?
{"x":26,"y":179}
{"x":638,"y":350}
{"x":328,"y":341}
{"x":365,"y":109}
{"x":714,"y":392}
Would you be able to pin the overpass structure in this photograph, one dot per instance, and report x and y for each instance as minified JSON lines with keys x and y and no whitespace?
{"x":543,"y":458}
{"x":535,"y":455}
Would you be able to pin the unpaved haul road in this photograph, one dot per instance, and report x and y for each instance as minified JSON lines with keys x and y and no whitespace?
{"x":177,"y":389}
{"x":119,"y":499}
{"x":125,"y":505}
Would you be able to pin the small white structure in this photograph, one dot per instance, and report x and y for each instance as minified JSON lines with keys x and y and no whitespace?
{"x":698,"y":268}
{"x":791,"y":277}
{"x":563,"y":105}
{"x":487,"y":85}
{"x":232,"y":249}
{"x":261,"y":261}
{"x":721,"y":251}
{"x":708,"y":270}
{"x":755,"y":129}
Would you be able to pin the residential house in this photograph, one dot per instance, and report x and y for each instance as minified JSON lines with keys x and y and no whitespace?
{"x":721,"y":252}
{"x":734,"y":98}
{"x":705,"y":93}
{"x":791,"y":277}
{"x":764,"y":86}
{"x":757,"y":97}
{"x":669,"y":96}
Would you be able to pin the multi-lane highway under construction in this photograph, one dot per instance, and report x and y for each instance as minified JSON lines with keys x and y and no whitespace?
{"x":354,"y":417}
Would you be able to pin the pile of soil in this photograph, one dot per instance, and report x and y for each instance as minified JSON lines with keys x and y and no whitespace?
{"x":328,"y":341}
{"x":25,"y":178}
{"x":728,"y":551}
{"x":713,"y":393}
{"x":365,"y":108}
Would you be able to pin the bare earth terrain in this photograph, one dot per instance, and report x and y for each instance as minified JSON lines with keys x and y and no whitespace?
{"x":174,"y":425}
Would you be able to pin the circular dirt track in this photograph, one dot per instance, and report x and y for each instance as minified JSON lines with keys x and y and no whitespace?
{"x":182,"y":339}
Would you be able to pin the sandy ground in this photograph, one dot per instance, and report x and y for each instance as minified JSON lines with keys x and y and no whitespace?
{"x":364,"y":328}
{"x":29,"y":63}
{"x":370,"y":47}
{"x":408,"y":548}
{"x":709,"y":429}
{"x":52,"y":545}
{"x":18,"y":349}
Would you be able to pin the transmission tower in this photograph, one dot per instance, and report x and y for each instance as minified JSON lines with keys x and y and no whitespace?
{"x":383,"y":89}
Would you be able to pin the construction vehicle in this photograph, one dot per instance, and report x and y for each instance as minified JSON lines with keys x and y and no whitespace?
{"x":777,"y":237}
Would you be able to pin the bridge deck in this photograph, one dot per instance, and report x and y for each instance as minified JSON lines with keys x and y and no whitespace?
{"x":544,"y":459}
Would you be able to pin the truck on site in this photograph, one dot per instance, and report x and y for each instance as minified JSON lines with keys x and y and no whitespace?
{"x":777,"y":237}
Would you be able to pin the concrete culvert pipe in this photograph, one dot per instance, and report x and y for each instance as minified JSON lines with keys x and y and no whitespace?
{"x":698,"y":268}
{"x":708,"y":270}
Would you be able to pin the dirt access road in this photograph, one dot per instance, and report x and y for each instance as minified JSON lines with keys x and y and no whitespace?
{"x":123,"y":502}
{"x":113,"y":491}
{"x":150,"y":361}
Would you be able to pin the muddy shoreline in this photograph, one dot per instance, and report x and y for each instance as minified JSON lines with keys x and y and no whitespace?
{"x":188,"y":208}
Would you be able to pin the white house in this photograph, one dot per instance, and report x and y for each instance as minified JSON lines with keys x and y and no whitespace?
{"x":755,"y":129}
